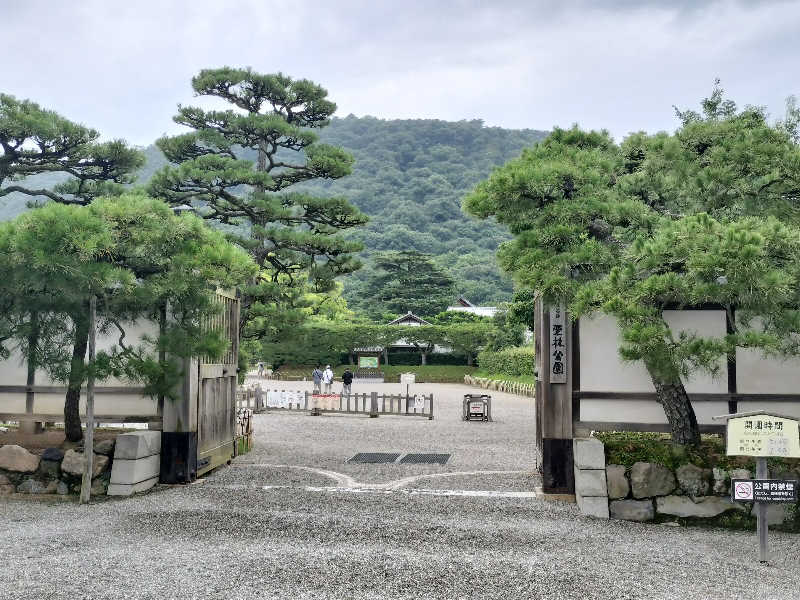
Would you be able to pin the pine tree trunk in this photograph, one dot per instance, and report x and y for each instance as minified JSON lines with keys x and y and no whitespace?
{"x":424,"y":357}
{"x":469,"y":359}
{"x":72,"y":418}
{"x":682,"y":421}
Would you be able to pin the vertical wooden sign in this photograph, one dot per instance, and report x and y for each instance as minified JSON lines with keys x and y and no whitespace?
{"x":558,"y":345}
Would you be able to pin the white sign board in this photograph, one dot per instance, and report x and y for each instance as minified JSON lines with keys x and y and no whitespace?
{"x":419,"y":402}
{"x":763,"y":435}
{"x":408,"y":378}
{"x":558,"y":345}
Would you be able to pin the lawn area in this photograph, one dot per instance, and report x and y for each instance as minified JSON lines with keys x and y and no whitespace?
{"x":425,"y":374}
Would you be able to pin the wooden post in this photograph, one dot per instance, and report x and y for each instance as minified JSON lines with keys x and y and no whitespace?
{"x":88,"y":441}
{"x":554,"y":400}
{"x":430,"y":416}
{"x":762,"y":526}
{"x":373,"y":409}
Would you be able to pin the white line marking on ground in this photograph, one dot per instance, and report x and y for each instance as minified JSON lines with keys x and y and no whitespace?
{"x":345,"y":481}
{"x":409,"y":492}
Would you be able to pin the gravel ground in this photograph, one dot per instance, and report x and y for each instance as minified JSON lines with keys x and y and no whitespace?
{"x":228,"y":538}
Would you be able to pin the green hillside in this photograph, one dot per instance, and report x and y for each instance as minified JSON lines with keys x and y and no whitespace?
{"x":409,"y":177}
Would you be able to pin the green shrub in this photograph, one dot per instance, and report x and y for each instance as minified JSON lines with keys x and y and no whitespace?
{"x":510,"y":361}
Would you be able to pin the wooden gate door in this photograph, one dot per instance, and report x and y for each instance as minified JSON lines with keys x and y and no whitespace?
{"x":216,"y":398}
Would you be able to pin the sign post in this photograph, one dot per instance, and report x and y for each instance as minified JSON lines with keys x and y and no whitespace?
{"x":762,"y":435}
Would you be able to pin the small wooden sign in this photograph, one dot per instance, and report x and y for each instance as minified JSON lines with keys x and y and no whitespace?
{"x":763,"y":435}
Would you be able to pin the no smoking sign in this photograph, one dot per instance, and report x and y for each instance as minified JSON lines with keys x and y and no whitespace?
{"x":743,"y":490}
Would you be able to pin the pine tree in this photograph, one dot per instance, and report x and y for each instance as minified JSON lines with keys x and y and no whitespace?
{"x":238,"y":167}
{"x":657,"y":222}
{"x":407,"y":281}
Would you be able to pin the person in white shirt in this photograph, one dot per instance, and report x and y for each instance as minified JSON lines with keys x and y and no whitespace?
{"x":327,"y":378}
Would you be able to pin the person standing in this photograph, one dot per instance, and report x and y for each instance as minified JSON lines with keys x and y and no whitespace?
{"x":317,"y":375}
{"x":260,"y":370}
{"x":327,"y":378}
{"x":347,"y":380}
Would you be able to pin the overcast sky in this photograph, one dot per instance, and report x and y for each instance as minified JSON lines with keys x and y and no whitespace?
{"x":122,"y":67}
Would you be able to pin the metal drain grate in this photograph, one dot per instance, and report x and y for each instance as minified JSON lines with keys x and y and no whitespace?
{"x":374,"y":457}
{"x":419,"y":459}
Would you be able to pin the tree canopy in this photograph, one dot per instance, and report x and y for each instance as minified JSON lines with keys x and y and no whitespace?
{"x":404,"y":281}
{"x":239,"y":166}
{"x":136,"y":257}
{"x":35,"y":141}
{"x":660,"y":221}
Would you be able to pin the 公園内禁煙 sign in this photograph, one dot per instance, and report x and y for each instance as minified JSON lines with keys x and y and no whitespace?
{"x":764,"y":490}
{"x":763,"y":435}
{"x":558,"y":345}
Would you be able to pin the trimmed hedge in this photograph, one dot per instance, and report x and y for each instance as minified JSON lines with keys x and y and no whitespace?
{"x":510,"y":361}
{"x":434,"y":358}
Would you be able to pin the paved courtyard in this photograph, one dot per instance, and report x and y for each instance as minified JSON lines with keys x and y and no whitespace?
{"x":292,"y":519}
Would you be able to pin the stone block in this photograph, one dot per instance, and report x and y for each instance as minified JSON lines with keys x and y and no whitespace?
{"x":50,"y":468}
{"x":776,"y":513}
{"x":128,"y":489}
{"x":707,"y":506}
{"x":4,"y":480}
{"x":616,"y":482}
{"x":134,"y":471}
{"x":138,"y":444}
{"x":593,"y":506}
{"x":588,"y":453}
{"x":62,"y":489}
{"x":693,"y":480}
{"x":590,"y":482}
{"x":55,"y":454}
{"x":74,"y":463}
{"x":720,"y":480}
{"x":740,"y":474}
{"x":18,"y":459}
{"x":104,"y":447}
{"x":99,"y":487}
{"x":32,"y":486}
{"x":6,"y":489}
{"x":632,"y":510}
{"x":651,"y":479}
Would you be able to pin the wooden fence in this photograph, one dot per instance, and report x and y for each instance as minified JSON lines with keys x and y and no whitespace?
{"x":372,"y":404}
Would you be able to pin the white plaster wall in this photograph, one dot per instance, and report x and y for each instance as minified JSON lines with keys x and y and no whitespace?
{"x":13,"y":371}
{"x":602,"y":369}
{"x":758,"y":374}
{"x":645,"y":411}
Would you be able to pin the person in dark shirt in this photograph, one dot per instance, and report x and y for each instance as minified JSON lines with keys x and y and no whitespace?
{"x":347,"y":380}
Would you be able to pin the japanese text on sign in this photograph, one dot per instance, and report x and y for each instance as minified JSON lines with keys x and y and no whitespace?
{"x":763,"y":435}
{"x":558,"y":345}
{"x":764,"y":490}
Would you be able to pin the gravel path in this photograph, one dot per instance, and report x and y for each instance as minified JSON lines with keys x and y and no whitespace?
{"x":229,"y":538}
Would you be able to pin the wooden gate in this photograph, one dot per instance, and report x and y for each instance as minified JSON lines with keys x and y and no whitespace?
{"x":216,"y":393}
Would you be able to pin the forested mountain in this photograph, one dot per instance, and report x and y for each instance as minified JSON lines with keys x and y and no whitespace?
{"x":409,"y":177}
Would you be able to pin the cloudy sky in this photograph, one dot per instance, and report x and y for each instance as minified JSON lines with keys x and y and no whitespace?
{"x":122,"y":67}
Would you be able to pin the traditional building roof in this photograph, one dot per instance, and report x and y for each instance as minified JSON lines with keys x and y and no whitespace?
{"x":409,"y":319}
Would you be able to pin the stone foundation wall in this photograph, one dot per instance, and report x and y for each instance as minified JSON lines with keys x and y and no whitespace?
{"x":54,"y":471}
{"x":511,"y":387}
{"x":649,"y":491}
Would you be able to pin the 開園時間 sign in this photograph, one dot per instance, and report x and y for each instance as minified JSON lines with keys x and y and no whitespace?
{"x":763,"y":435}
